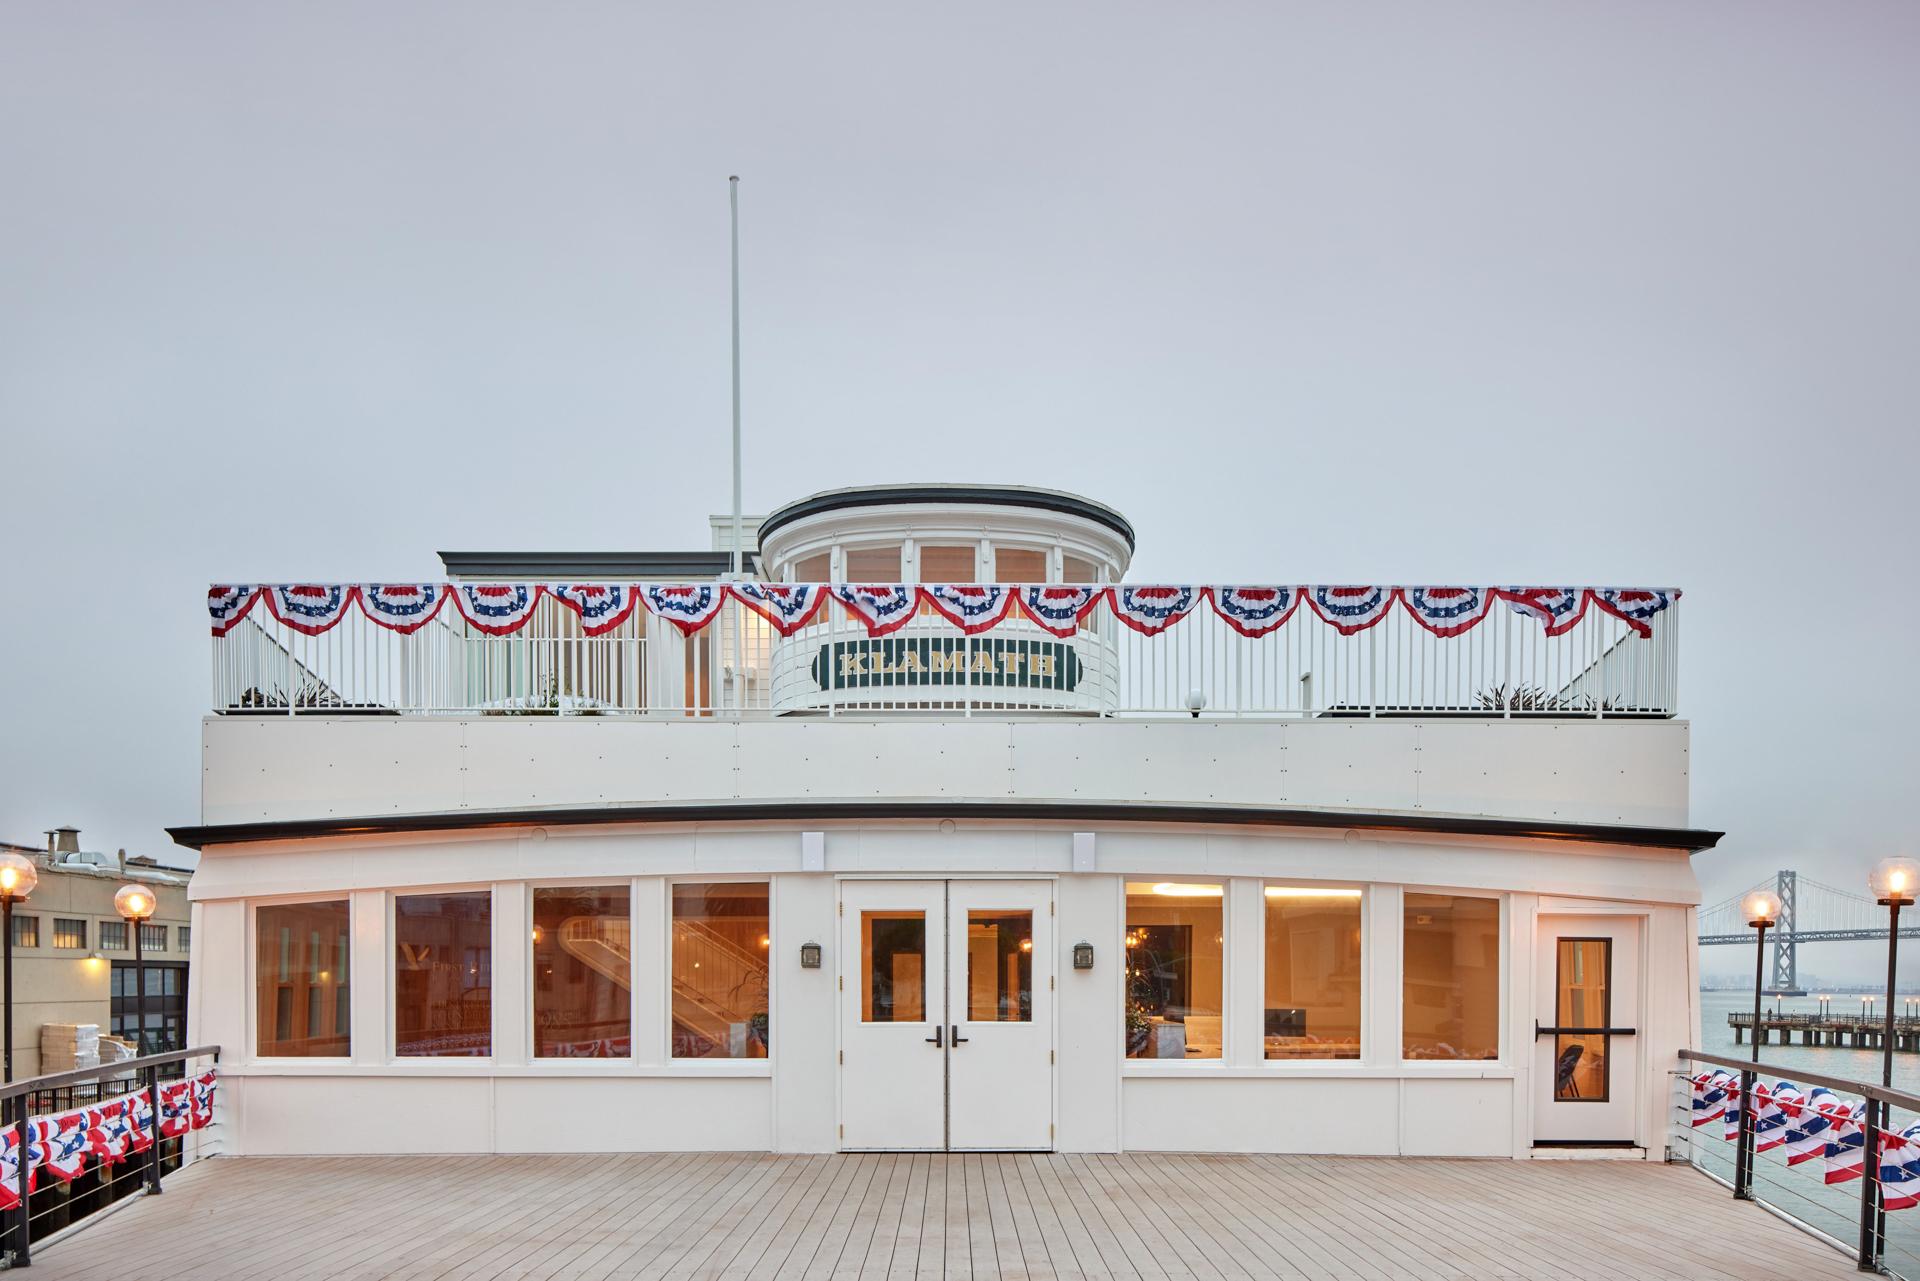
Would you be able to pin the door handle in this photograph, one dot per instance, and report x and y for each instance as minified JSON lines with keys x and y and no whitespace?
{"x":957,"y":1038}
{"x":935,"y":1038}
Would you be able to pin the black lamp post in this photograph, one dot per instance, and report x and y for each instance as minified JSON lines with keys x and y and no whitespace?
{"x":1892,"y":883}
{"x":18,"y":876}
{"x":135,"y":904}
{"x":1762,"y":911}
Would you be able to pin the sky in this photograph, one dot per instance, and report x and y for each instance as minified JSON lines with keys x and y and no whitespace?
{"x":1482,"y":292}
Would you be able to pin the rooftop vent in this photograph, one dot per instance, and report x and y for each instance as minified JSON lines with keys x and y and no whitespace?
{"x":63,"y":840}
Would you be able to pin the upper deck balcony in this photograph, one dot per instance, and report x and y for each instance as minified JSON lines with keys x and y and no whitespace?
{"x":745,"y":650}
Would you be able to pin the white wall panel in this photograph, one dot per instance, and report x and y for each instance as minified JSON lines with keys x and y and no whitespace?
{"x":1191,"y":1113}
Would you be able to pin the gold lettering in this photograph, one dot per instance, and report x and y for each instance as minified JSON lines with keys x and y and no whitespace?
{"x":1041,"y":666}
{"x":853,"y":663}
{"x":1010,"y":662}
{"x":910,"y":661}
{"x":983,"y":661}
{"x":944,"y":660}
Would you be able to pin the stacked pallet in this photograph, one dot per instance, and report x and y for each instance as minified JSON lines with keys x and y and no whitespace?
{"x":67,"y":1046}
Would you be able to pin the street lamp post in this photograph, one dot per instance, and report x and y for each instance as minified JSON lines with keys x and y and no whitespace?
{"x":18,"y":876}
{"x":1892,"y":884}
{"x":135,"y":904}
{"x":1762,"y":911}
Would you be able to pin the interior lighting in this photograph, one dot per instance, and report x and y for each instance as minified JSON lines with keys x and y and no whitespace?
{"x":1308,"y":891}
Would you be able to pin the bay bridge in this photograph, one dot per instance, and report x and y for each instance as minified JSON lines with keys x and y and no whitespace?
{"x":1810,"y":912}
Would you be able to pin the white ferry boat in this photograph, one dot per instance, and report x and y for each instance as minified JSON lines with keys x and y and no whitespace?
{"x":930,"y":832}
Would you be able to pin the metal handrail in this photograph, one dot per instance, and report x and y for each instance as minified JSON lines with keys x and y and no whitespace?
{"x":54,"y":1080}
{"x":1865,"y":1089}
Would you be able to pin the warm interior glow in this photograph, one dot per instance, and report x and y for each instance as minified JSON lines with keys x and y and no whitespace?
{"x":1308,"y":891}
{"x":1761,"y":907}
{"x":1175,"y":889}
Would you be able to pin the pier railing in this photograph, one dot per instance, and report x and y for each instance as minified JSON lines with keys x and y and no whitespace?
{"x":737,"y":666}
{"x":51,"y":1206}
{"x":1842,"y":1214}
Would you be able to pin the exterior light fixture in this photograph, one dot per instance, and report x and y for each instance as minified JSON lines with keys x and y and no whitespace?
{"x":809,"y":956}
{"x":1196,"y":702}
{"x":1763,"y":911}
{"x":18,"y":876}
{"x":135,"y":904}
{"x":1083,"y":955}
{"x":1892,"y":883}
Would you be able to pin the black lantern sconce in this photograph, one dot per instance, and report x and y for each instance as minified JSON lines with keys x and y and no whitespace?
{"x":809,"y":956}
{"x":1083,"y":955}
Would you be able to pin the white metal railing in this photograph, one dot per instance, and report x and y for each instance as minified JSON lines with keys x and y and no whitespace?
{"x":1507,"y":667}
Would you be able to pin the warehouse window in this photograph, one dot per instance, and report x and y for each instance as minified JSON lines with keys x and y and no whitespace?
{"x":69,"y":933}
{"x":153,"y":938}
{"x":113,"y":936}
{"x":26,"y":931}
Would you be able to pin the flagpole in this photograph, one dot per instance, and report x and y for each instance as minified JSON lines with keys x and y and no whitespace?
{"x":733,"y":201}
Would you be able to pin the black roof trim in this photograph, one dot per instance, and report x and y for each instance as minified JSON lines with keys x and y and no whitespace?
{"x":980,"y":495}
{"x":591,"y":566}
{"x":1675,"y":838}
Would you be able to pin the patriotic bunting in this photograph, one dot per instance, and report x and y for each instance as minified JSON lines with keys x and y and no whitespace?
{"x":498,"y":609}
{"x":1709,"y":1097}
{"x":201,"y":1106}
{"x":1817,"y":1123}
{"x":109,"y":1132}
{"x":176,"y":1109}
{"x":1059,"y":609}
{"x":1151,"y":610}
{"x":502,"y":609}
{"x":1845,"y":1139}
{"x":883,"y":608}
{"x":1351,"y":610}
{"x":688,"y":606}
{"x":311,"y":608}
{"x":139,"y":1121}
{"x":228,"y":603}
{"x":1558,"y":609}
{"x":972,"y":607}
{"x":10,"y":1162}
{"x":68,"y":1146}
{"x":786,"y":606}
{"x":1769,"y":1121}
{"x":1254,"y":611}
{"x":1448,"y":611}
{"x":402,"y":607}
{"x":1900,"y":1169}
{"x":601,"y":606}
{"x":1634,"y":605}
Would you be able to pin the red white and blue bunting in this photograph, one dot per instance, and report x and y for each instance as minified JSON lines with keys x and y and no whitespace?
{"x":1151,"y":610}
{"x":972,"y":607}
{"x":402,"y":607}
{"x":498,"y":609}
{"x":1810,"y":1125}
{"x":787,"y":607}
{"x":311,"y":608}
{"x":601,"y":606}
{"x":688,"y":606}
{"x":502,"y":609}
{"x":882,"y":608}
{"x":67,"y":1143}
{"x":1059,"y":609}
{"x":1254,"y":611}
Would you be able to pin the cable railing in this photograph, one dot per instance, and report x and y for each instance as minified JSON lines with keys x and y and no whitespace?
{"x":737,"y":666}
{"x":37,"y":1208}
{"x":1835,"y":1212}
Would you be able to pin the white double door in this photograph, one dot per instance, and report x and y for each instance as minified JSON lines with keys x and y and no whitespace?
{"x":946,"y":1015}
{"x":1586,"y":1031}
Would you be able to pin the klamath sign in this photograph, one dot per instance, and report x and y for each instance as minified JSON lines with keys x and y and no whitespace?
{"x":947,"y":660}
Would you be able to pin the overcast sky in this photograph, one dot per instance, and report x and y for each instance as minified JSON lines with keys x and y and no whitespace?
{"x":1618,"y":293}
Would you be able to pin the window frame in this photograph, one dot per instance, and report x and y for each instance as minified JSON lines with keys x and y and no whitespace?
{"x":1230,"y":981}
{"x":662,"y":1035}
{"x":390,"y":977}
{"x":253,"y":979}
{"x":59,"y":921}
{"x":541,"y":1064}
{"x":1503,"y":1060}
{"x":1606,"y":1018}
{"x":1367,"y":981}
{"x":158,"y":948}
{"x":126,"y":941}
{"x":25,"y":919}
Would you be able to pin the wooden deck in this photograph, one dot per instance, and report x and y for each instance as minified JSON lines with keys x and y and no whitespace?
{"x":757,"y":1216}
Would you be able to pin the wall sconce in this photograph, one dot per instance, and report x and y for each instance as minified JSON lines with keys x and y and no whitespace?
{"x":809,"y":956}
{"x":1083,"y":955}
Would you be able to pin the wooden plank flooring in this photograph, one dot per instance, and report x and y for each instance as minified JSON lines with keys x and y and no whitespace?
{"x":749,"y":1217}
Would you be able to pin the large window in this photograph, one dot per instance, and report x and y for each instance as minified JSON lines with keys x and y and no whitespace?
{"x":1312,"y":973}
{"x":720,"y":949}
{"x":893,"y":966}
{"x":1019,"y":565}
{"x":443,"y":974}
{"x":26,"y":931}
{"x":69,"y":933}
{"x":873,"y":564}
{"x":814,"y":569}
{"x":582,"y":973}
{"x":153,"y":938}
{"x":1073,"y":569}
{"x":1175,"y":944}
{"x":300,"y":980}
{"x":166,"y":1005}
{"x":1450,"y":1002}
{"x":113,"y":936}
{"x":947,"y":565}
